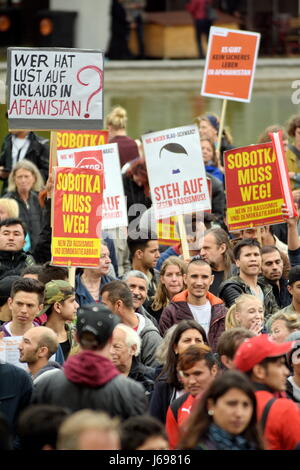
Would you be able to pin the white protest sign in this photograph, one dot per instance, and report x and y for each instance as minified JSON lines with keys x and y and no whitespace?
{"x":176,"y":171}
{"x":9,"y":351}
{"x":54,"y":88}
{"x":114,"y":210}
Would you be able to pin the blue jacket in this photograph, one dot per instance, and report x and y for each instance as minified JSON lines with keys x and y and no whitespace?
{"x":83,"y":296}
{"x":215,"y":171}
{"x":164,"y":255}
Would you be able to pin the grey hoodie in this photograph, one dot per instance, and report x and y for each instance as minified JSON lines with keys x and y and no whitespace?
{"x":151,"y":339}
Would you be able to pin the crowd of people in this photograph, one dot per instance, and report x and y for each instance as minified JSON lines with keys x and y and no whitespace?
{"x":150,"y":350}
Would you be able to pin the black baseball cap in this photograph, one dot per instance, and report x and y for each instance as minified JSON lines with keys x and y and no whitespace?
{"x":98,"y":320}
{"x":294,"y":274}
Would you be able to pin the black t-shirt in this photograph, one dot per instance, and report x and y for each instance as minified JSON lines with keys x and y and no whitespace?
{"x":218,"y":278}
{"x":66,"y":347}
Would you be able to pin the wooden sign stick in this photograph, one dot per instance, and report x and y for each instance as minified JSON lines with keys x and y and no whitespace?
{"x":183,"y":238}
{"x":221,"y":127}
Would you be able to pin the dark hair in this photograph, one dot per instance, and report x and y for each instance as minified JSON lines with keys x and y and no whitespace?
{"x":138,"y":167}
{"x":230,"y":340}
{"x":14,"y":221}
{"x":199,"y":421}
{"x":264,"y":136}
{"x":195,"y":353}
{"x":29,"y":285}
{"x":137,"y":429}
{"x":199,"y":261}
{"x":170,"y":368}
{"x":33,"y":269}
{"x":245,"y":242}
{"x":139,"y":243}
{"x":52,"y":273}
{"x":38,"y":426}
{"x":292,"y":125}
{"x":269,"y":249}
{"x":118,"y":290}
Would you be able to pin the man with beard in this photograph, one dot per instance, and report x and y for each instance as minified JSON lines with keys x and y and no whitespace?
{"x":216,"y":250}
{"x":272,"y":269}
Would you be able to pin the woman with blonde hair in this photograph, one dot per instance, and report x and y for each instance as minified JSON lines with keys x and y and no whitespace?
{"x":116,"y":123}
{"x":24,"y":182}
{"x":170,"y":283}
{"x":246,"y":312}
{"x":281,"y":324}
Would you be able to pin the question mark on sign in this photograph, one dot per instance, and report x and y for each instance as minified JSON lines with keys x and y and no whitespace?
{"x":99,"y":71}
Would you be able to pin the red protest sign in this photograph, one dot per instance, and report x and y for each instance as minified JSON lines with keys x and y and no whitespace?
{"x":77,"y":220}
{"x":253,"y":190}
{"x":230,"y":64}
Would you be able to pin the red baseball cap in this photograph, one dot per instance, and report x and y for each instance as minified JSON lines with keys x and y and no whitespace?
{"x":254,"y":350}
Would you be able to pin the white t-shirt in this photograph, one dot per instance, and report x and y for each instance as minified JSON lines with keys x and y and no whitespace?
{"x":19,"y":149}
{"x":202,"y":314}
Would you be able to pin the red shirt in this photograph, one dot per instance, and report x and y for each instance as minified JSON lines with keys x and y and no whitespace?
{"x":174,"y":422}
{"x":282,"y":430}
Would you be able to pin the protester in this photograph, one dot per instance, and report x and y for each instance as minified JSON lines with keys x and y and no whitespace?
{"x":19,"y":145}
{"x":12,"y":240}
{"x":225,"y":417}
{"x":168,"y":385}
{"x":138,"y":285}
{"x":25,"y":303}
{"x":228,"y":344}
{"x":170,"y":283}
{"x":216,"y":250}
{"x":197,"y":368}
{"x":88,"y":430}
{"x":38,"y":426}
{"x":210,"y":159}
{"x":282,"y":324}
{"x":196,"y":302}
{"x":23,"y":184}
{"x":247,"y":254}
{"x":125,"y":349}
{"x":91,"y":280}
{"x":136,"y":190}
{"x":272,"y":271}
{"x":116,"y":123}
{"x":9,"y":209}
{"x":118,"y":298}
{"x":209,"y":127}
{"x":89,"y":379}
{"x":263,"y":361}
{"x":246,"y":312}
{"x":293,"y":288}
{"x":37,"y":347}
{"x":143,"y":433}
{"x":60,"y":307}
{"x":144,"y":253}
